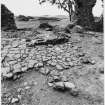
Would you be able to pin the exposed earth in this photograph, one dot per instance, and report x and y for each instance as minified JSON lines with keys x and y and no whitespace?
{"x":29,"y":73}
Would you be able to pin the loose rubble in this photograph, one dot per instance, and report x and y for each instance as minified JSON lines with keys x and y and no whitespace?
{"x":65,"y":86}
{"x":14,"y":100}
{"x":87,"y":60}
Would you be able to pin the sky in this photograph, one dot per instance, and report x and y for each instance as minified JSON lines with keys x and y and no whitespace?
{"x":33,"y":8}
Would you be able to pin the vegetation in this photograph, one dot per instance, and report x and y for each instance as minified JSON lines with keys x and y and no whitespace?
{"x":66,"y":5}
{"x":83,"y":10}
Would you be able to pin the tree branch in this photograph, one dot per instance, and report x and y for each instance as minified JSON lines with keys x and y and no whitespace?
{"x":63,"y":6}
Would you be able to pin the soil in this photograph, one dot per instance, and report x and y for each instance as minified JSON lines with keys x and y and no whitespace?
{"x":32,"y":86}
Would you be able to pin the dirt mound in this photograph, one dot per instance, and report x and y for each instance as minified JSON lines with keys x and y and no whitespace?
{"x":7,"y":19}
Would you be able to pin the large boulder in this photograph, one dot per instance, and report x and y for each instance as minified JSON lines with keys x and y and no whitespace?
{"x":7,"y":19}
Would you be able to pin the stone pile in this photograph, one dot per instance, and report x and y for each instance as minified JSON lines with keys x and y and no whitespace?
{"x":17,"y":94}
{"x":66,"y":86}
{"x":7,"y":19}
{"x":49,"y":39}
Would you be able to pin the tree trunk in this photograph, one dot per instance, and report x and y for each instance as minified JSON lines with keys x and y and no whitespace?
{"x":84,"y":13}
{"x":69,"y":8}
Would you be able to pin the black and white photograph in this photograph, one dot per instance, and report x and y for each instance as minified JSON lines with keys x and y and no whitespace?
{"x":52,"y":52}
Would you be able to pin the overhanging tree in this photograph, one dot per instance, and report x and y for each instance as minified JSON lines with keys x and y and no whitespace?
{"x":83,"y":10}
{"x":66,"y":5}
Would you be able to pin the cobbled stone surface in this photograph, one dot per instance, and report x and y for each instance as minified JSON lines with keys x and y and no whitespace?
{"x":17,"y":57}
{"x":60,"y":66}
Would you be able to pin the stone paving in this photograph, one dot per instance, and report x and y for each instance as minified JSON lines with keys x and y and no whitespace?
{"x":17,"y":57}
{"x":68,"y":66}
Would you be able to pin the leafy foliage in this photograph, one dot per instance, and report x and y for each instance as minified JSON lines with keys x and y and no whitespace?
{"x":61,"y":3}
{"x":67,"y":5}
